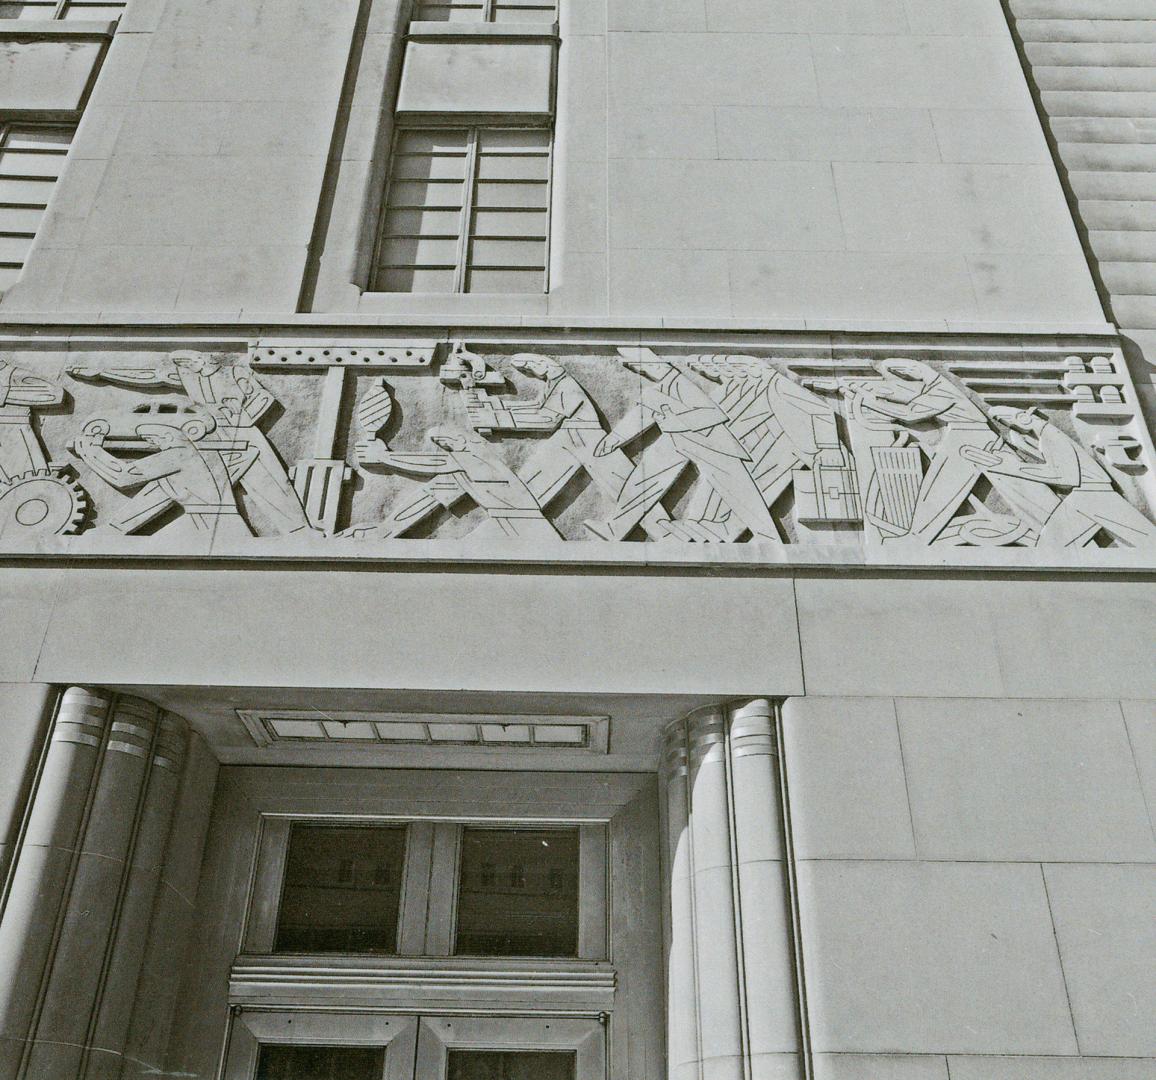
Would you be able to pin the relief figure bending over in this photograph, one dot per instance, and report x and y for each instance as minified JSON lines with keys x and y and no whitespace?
{"x":465,"y":468}
{"x":563,"y":415}
{"x":173,"y":464}
{"x":694,"y":430}
{"x":882,"y":418}
{"x":236,"y":401}
{"x":1088,"y":500}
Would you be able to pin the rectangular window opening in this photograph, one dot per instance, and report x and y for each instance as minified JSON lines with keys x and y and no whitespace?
{"x":320,"y":1063}
{"x":518,"y":892}
{"x":510,"y":1065}
{"x":31,"y":159}
{"x":495,"y":11}
{"x":466,"y":211}
{"x":94,"y":10}
{"x":342,"y":889}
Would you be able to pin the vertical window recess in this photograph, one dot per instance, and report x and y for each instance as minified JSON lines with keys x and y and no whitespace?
{"x":466,"y":211}
{"x":496,"y":11}
{"x":31,"y":158}
{"x":95,"y":10}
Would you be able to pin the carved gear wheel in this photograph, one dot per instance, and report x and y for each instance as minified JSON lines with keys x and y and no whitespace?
{"x":41,"y":503}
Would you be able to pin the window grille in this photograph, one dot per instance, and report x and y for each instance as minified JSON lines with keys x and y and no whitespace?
{"x":498,"y":11}
{"x":31,"y":157}
{"x":466,"y":211}
{"x":62,"y":9}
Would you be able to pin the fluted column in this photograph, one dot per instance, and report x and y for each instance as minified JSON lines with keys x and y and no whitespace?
{"x":716,"y":932}
{"x":171,"y":922}
{"x":126,"y":953}
{"x":74,"y":932}
{"x":762,"y":889}
{"x":682,"y":1048}
{"x":731,"y":992}
{"x":44,"y":866}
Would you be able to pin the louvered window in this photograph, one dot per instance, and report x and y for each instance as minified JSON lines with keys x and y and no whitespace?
{"x":61,"y":9}
{"x":31,"y":157}
{"x":466,"y":211}
{"x":539,"y":11}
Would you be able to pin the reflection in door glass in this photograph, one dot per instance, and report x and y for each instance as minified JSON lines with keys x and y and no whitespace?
{"x":510,"y":1065}
{"x":518,"y":893}
{"x":321,"y":1063}
{"x":342,"y":889}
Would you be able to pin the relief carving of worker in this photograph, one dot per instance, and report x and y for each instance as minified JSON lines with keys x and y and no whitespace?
{"x":564,"y":415}
{"x":694,"y":431}
{"x":913,"y":395}
{"x":1089,"y":502}
{"x":783,"y":426}
{"x":236,"y":401}
{"x":173,"y":464}
{"x":466,"y":468}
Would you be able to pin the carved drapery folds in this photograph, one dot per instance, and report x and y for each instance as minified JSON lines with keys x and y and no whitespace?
{"x":889,"y":455}
{"x":732,"y":994}
{"x":88,"y":904}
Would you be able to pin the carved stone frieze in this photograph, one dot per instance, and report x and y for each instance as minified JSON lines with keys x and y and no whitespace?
{"x":890,"y":453}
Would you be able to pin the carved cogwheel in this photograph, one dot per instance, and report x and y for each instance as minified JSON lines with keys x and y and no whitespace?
{"x":41,"y":503}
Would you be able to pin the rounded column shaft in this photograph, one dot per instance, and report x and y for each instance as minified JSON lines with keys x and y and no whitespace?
{"x":763,"y":896}
{"x":171,"y":920}
{"x":45,"y":865}
{"x":80,"y":965}
{"x":126,"y":958}
{"x":716,"y":933}
{"x":732,"y":1009}
{"x":682,"y":995}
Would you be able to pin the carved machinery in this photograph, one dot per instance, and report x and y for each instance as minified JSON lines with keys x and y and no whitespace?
{"x":354,"y":445}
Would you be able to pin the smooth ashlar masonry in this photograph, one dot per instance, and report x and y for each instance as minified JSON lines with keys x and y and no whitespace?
{"x":353,"y":446}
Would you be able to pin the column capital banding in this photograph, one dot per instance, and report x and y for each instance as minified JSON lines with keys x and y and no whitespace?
{"x":171,"y":742}
{"x":752,"y":729}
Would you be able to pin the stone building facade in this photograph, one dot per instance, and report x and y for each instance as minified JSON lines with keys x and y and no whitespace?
{"x":577,"y":539}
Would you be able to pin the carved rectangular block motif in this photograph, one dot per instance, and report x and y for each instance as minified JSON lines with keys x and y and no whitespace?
{"x":460,"y":451}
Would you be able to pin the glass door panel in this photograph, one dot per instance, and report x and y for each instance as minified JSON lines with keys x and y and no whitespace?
{"x":509,"y":1065}
{"x":320,"y":1063}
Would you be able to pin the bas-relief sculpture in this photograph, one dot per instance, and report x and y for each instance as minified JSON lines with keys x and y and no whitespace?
{"x":37,"y":496}
{"x":892,"y":453}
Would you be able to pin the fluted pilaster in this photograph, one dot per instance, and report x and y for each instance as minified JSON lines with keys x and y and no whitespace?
{"x":77,"y":921}
{"x":45,"y":866}
{"x":171,"y":921}
{"x":731,"y":993}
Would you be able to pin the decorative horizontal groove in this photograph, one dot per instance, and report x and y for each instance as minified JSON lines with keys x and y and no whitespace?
{"x":1103,"y":129}
{"x":1125,"y":80}
{"x":1129,"y":278}
{"x":1129,"y":186}
{"x":1099,"y":103}
{"x":1110,"y":157}
{"x":1135,"y":312}
{"x":1115,"y":54}
{"x":1086,"y":31}
{"x":1123,"y":245}
{"x":1115,"y":10}
{"x":1118,"y":214}
{"x":425,"y":975}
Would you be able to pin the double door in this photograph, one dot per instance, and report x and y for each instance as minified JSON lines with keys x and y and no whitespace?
{"x":292,"y":1045}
